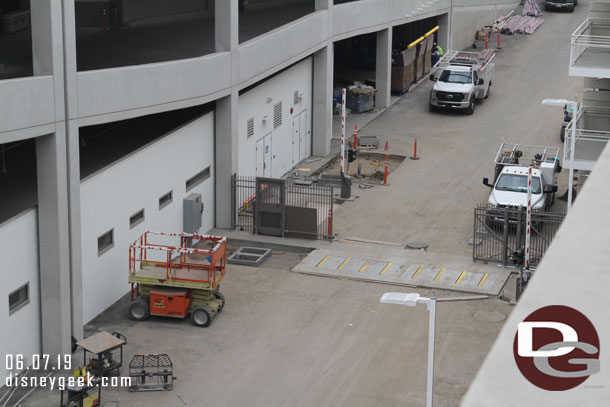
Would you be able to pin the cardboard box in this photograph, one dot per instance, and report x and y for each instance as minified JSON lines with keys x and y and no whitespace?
{"x":482,"y":35}
{"x":427,"y":61}
{"x":419,"y":67}
{"x":402,"y":77}
{"x":408,"y":56}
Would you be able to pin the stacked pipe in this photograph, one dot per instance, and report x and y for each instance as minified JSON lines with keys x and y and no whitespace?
{"x":521,"y":25}
{"x":531,"y":8}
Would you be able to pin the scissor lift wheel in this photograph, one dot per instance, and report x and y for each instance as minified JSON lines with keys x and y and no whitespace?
{"x":201,"y":316}
{"x":139,"y":310}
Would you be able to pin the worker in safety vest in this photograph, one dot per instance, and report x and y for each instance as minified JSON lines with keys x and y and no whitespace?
{"x":437,"y":53}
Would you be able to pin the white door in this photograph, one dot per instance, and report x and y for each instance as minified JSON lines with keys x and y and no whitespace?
{"x":268,"y":155}
{"x":263,"y":156}
{"x":304,"y":135}
{"x":296,"y":140}
{"x":260,"y":158}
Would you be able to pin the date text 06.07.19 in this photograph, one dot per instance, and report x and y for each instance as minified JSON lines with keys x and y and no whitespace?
{"x":38,"y":362}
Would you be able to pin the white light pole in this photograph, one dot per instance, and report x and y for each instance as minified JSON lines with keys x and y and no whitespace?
{"x":562,"y":103}
{"x":411,"y":300}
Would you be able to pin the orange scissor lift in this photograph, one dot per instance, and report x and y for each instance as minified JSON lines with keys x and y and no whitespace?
{"x":176,"y":281}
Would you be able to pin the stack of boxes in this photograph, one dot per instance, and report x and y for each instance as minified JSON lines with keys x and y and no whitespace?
{"x":413,"y":64}
{"x":404,"y":73}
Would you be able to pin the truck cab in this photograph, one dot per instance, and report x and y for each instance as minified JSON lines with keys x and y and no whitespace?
{"x":462,"y":79}
{"x":510,"y":189}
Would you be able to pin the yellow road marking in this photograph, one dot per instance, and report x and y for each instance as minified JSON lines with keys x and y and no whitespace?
{"x":386,"y":268}
{"x":418,"y":272}
{"x":438,"y":276}
{"x":363,"y":267}
{"x":483,"y":279}
{"x":461,"y":277}
{"x":344,"y":263}
{"x":324,"y":260}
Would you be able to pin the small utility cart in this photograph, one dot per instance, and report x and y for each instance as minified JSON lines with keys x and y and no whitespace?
{"x":177,"y":274}
{"x":103,"y":364}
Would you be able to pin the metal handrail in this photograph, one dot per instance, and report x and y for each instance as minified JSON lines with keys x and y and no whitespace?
{"x":580,"y":41}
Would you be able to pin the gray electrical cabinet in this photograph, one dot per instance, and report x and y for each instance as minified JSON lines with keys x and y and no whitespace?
{"x":192,"y":213}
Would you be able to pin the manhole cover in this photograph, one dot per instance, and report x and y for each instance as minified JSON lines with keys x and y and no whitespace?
{"x":417,"y":245}
{"x":489,"y":316}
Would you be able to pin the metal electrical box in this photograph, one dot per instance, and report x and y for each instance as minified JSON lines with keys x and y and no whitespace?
{"x":192,"y":213}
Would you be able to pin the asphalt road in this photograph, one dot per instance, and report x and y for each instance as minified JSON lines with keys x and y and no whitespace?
{"x":433,"y":199}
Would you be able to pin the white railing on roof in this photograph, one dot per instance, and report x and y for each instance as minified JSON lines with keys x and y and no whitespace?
{"x":589,"y":143}
{"x":590,"y":54}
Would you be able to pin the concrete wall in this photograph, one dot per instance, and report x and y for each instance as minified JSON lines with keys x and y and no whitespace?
{"x":21,"y":329}
{"x":471,"y":15}
{"x":111,"y":196}
{"x":278,"y":48}
{"x":146,"y":89}
{"x":253,"y":104}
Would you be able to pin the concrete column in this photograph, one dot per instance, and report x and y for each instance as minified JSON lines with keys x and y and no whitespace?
{"x":227,"y":109}
{"x":444,"y":31}
{"x":53,"y":240}
{"x":226,"y":155}
{"x":383,"y":69}
{"x":226,"y":25}
{"x":323,"y":62}
{"x":73,"y":167}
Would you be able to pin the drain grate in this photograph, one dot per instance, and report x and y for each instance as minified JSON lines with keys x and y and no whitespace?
{"x":249,"y":256}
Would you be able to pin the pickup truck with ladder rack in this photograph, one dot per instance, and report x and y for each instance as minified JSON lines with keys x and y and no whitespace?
{"x":512,"y":164}
{"x":461,"y":79}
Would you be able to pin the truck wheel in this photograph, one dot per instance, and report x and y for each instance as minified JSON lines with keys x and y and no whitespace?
{"x":488,"y":90}
{"x":220,"y":297}
{"x":562,"y":134}
{"x":139,"y":310}
{"x":201,"y":317}
{"x":431,"y":108}
{"x":470,"y":109}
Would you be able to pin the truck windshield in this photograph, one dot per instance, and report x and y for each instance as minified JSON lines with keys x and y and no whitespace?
{"x":517,"y":183}
{"x":455,"y":77}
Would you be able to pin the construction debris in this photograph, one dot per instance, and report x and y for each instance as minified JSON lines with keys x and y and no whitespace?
{"x":520,"y":25}
{"x":531,"y":8}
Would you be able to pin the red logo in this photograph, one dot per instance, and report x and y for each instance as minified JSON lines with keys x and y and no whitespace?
{"x":556,"y":348}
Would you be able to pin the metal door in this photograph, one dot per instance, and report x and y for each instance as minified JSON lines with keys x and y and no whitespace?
{"x":270,"y":206}
{"x":303,"y":135}
{"x":264,"y":153}
{"x":296,"y":140}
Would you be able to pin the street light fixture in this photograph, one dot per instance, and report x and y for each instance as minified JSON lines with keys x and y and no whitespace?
{"x":562,"y":103}
{"x":411,"y":300}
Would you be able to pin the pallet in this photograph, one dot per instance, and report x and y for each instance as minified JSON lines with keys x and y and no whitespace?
{"x":401,"y":92}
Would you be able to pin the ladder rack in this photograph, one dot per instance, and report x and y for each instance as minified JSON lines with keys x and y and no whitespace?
{"x":526,"y":155}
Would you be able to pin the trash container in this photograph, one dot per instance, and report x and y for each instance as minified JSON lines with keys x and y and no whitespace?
{"x":346,"y":186}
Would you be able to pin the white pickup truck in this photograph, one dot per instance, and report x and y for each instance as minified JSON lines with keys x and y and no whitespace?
{"x":461,"y":79}
{"x":511,"y":173}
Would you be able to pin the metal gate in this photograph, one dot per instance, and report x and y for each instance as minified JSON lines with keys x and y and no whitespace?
{"x":282,"y":207}
{"x":270,"y":207}
{"x":498,"y":232}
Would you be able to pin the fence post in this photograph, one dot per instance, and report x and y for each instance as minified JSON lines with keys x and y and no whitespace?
{"x":474,"y":233}
{"x":505,"y":238}
{"x":518,"y":234}
{"x":233,"y":202}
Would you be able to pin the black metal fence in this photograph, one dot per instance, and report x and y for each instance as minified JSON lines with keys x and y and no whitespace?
{"x":306,"y":210}
{"x":498,"y":232}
